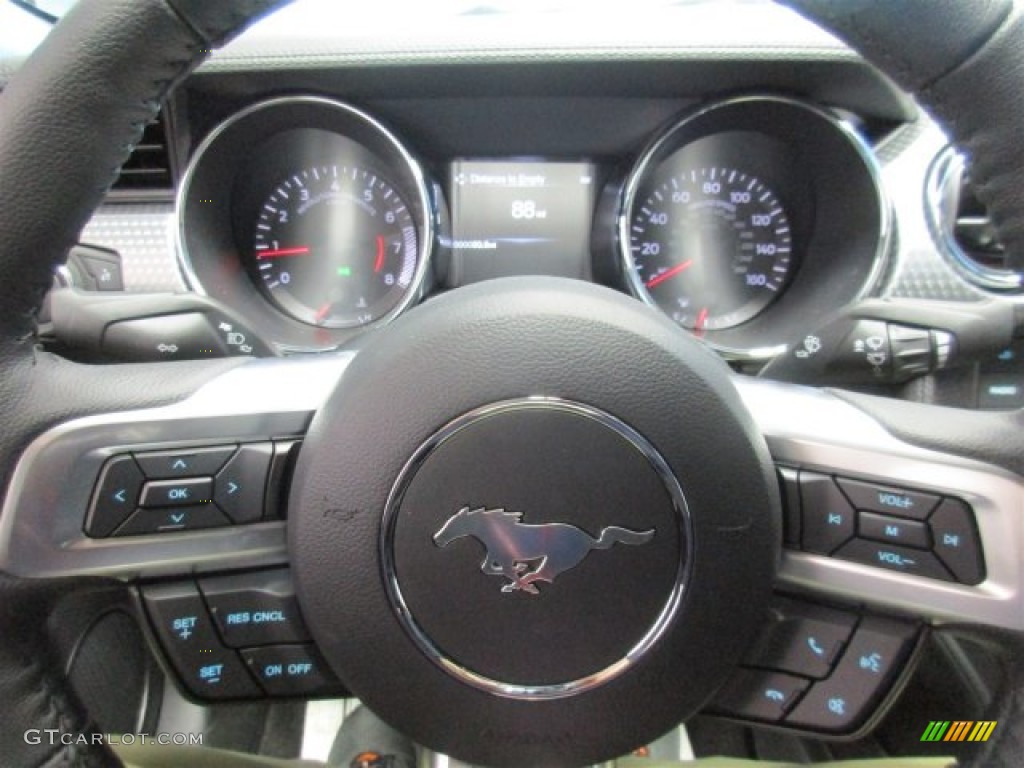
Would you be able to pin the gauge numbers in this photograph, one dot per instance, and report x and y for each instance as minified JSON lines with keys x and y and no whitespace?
{"x":335,"y":246}
{"x":710,"y":246}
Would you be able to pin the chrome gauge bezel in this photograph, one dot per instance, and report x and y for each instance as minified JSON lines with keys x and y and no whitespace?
{"x":759,"y":340}
{"x":942,"y":196}
{"x":233,"y":282}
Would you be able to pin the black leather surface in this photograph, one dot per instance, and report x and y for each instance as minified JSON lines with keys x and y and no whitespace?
{"x":501,"y":340}
{"x":964,"y":62}
{"x":218,"y":22}
{"x":69,"y":119}
{"x":33,"y":697}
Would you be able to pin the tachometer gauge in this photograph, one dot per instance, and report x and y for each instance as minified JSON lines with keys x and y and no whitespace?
{"x":711,"y":246}
{"x":335,"y":246}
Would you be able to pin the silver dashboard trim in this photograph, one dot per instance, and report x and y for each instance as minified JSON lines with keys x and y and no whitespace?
{"x":426,"y":227}
{"x":641,"y":168}
{"x":41,"y":536}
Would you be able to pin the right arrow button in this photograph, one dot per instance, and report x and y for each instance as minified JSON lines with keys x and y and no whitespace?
{"x":240,"y":486}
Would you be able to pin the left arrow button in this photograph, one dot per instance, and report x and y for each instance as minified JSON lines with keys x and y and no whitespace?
{"x":116,"y":495}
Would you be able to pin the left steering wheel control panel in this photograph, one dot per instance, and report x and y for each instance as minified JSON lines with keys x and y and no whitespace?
{"x":239,"y":636}
{"x":187,"y":489}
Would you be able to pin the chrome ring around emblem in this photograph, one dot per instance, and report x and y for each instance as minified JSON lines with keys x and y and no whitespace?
{"x":612,"y":534}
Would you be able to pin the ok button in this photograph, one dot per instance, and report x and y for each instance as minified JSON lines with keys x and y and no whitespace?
{"x":177,"y":493}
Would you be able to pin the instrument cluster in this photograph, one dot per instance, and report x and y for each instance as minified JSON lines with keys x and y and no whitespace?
{"x":743,"y":220}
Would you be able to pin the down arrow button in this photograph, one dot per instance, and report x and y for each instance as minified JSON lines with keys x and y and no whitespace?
{"x":239,"y":486}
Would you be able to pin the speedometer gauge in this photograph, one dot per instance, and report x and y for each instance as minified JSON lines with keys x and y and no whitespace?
{"x":711,"y":246}
{"x":335,"y":246}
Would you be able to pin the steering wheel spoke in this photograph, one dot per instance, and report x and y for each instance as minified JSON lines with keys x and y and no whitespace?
{"x":876,"y":520}
{"x":129,"y":502}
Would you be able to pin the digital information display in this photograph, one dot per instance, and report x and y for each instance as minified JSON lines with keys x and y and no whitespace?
{"x":520,"y":218}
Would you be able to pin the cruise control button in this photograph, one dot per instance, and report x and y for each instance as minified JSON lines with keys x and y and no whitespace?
{"x":255,"y":608}
{"x":893,"y":501}
{"x":173,"y":519}
{"x":207,"y":669}
{"x":239,"y":487}
{"x":759,"y":695}
{"x":802,"y":638}
{"x":911,"y":561}
{"x":845,"y":700}
{"x":910,"y":533}
{"x":290,"y":670}
{"x":177,"y":493}
{"x":956,"y":541}
{"x":828,"y":518}
{"x":116,"y":496}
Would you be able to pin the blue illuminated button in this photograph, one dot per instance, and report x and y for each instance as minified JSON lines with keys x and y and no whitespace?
{"x":886,"y":500}
{"x":239,"y":489}
{"x":290,"y":670}
{"x":865,"y":673}
{"x":828,"y":520}
{"x":893,"y":530}
{"x":172,"y":520}
{"x":758,"y":695}
{"x":177,"y":493}
{"x":205,"y":667}
{"x":116,"y":496}
{"x":956,"y":541}
{"x":255,"y":608}
{"x":915,"y":562}
{"x":802,"y":638}
{"x":159,"y":465}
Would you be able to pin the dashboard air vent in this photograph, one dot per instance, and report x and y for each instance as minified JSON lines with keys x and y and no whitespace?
{"x":964,"y":228}
{"x":148,"y":169}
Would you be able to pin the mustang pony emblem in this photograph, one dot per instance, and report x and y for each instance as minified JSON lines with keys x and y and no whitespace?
{"x":512,"y":545}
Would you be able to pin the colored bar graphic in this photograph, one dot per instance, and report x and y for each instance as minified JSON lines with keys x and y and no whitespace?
{"x":935,"y":731}
{"x":959,"y":730}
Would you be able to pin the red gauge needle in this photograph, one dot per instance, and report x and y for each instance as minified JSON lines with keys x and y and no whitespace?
{"x":659,"y":279}
{"x":322,"y":313}
{"x":702,"y":317}
{"x":279,"y":252}
{"x":378,"y":263}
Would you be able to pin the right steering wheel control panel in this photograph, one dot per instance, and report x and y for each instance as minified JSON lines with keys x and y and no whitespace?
{"x":899,"y":529}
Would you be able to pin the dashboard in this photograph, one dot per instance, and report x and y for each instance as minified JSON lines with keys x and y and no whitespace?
{"x":747,"y":182}
{"x":312,"y":214}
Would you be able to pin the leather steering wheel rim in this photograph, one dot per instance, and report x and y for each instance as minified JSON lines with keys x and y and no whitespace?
{"x":71,"y":115}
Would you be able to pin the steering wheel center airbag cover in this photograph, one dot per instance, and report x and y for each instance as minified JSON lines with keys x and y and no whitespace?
{"x":566,"y":584}
{"x":436,"y":425}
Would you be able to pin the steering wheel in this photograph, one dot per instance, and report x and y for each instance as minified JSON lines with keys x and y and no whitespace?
{"x":478,"y":395}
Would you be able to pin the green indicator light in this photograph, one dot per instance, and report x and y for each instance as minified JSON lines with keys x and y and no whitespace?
{"x":345,"y":271}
